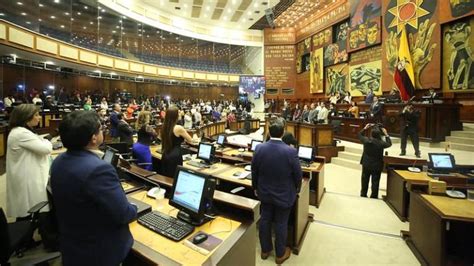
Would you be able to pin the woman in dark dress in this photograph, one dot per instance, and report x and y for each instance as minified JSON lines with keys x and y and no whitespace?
{"x":172,"y":135}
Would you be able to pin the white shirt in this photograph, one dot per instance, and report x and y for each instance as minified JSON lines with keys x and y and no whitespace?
{"x":28,"y":162}
{"x":323,"y":114}
{"x":104,"y":105}
{"x":188,"y":121}
{"x":8,"y":102}
{"x":37,"y":100}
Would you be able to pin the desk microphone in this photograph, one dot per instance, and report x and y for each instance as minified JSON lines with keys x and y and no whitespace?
{"x":413,"y":168}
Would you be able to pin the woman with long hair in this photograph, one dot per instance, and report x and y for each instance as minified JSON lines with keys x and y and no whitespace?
{"x":172,"y":135}
{"x":26,"y":185}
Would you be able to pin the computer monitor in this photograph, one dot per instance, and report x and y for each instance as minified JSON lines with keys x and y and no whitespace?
{"x":192,"y":194}
{"x":254,"y":144}
{"x":305,"y":153}
{"x":221,"y":139}
{"x":205,"y":152}
{"x":441,"y":162}
{"x":110,"y":156}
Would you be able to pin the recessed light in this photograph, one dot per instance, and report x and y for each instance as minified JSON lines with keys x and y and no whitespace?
{"x":41,"y":5}
{"x":62,"y":26}
{"x":23,"y":14}
{"x":229,"y":11}
{"x":53,"y":17}
{"x":66,"y":13}
{"x":79,"y":13}
{"x":28,"y":22}
{"x":85,"y":7}
{"x":19,"y":3}
{"x":2,"y":14}
{"x":56,"y":1}
{"x":185,"y":5}
{"x":92,"y":22}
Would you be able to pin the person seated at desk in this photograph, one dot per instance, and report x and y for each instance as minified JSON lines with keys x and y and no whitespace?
{"x":304,"y":113}
{"x":276,"y":186}
{"x":297,"y":113}
{"x":92,"y":210}
{"x":354,"y":110}
{"x":172,"y":135}
{"x":141,"y":149}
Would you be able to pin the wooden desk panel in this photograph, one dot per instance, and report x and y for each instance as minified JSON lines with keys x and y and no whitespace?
{"x":440,"y":231}
{"x":177,"y":251}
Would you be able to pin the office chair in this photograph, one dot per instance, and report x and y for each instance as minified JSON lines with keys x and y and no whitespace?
{"x":17,"y":236}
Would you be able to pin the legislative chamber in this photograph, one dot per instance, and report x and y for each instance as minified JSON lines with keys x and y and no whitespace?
{"x":236,"y":132}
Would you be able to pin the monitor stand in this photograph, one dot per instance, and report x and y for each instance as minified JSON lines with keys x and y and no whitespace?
{"x":183,"y":216}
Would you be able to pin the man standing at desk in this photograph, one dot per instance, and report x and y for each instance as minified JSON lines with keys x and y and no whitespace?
{"x":114,"y":121}
{"x":372,"y":158}
{"x":376,"y":110}
{"x":91,"y":208}
{"x":276,"y":179}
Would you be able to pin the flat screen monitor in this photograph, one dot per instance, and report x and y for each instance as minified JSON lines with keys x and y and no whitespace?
{"x":252,"y":85}
{"x":254,"y":144}
{"x":221,"y":139}
{"x":192,"y":194}
{"x":205,"y":151}
{"x":110,"y":156}
{"x":442,"y":161}
{"x":305,"y":153}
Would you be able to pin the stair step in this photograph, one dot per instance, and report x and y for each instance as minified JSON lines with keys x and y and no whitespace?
{"x":353,"y":149}
{"x":463,"y":134}
{"x":346,"y":163}
{"x":350,"y":156}
{"x":460,"y":140}
{"x":462,"y":147}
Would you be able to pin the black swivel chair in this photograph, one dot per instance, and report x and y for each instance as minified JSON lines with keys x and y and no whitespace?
{"x":16,"y":237}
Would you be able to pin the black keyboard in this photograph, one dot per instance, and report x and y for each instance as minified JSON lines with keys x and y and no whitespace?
{"x":441,"y":175}
{"x":304,"y":163}
{"x":166,"y":225}
{"x":198,"y":164}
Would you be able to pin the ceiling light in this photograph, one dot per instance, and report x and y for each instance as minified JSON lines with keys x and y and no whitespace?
{"x":56,"y":1}
{"x":79,"y":13}
{"x":66,"y":13}
{"x":19,"y":3}
{"x":97,"y":71}
{"x":249,"y":13}
{"x":28,"y":22}
{"x":185,"y":5}
{"x":2,"y":14}
{"x":40,"y":20}
{"x":84,"y":27}
{"x":49,"y":63}
{"x":62,"y":26}
{"x":229,"y":11}
{"x":23,"y":14}
{"x":85,"y":7}
{"x":41,"y":5}
{"x":92,"y":23}
{"x":53,"y":17}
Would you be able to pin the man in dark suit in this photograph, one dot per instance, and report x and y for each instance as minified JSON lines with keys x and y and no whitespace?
{"x":409,"y":127}
{"x":376,"y":110}
{"x":91,"y":208}
{"x":276,"y":179}
{"x":124,"y":130}
{"x":114,"y":121}
{"x":372,"y":158}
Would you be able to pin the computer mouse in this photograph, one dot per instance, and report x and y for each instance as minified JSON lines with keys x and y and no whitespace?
{"x":199,"y":238}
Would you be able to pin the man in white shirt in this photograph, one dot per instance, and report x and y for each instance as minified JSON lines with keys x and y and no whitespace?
{"x":8,"y":101}
{"x":323,"y":114}
{"x":197,"y":118}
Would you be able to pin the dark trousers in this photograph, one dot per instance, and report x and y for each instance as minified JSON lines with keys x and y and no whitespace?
{"x":279,"y":216}
{"x":413,"y":133}
{"x":366,"y":174}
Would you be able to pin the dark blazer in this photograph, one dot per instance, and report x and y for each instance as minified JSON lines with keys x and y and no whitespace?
{"x":372,"y":157}
{"x":113,"y":124}
{"x":376,"y":109}
{"x":410,"y":120}
{"x":92,"y":210}
{"x":125,"y":132}
{"x":276,"y":173}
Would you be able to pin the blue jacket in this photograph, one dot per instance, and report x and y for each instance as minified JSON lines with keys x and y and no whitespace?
{"x":276,"y":173}
{"x":92,"y":210}
{"x":114,"y":121}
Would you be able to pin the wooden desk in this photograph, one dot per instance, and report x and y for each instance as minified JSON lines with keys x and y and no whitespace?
{"x":436,"y":120}
{"x":319,"y":136}
{"x":441,"y":230}
{"x":238,"y":237}
{"x":301,"y":220}
{"x":349,"y":127}
{"x":401,"y":182}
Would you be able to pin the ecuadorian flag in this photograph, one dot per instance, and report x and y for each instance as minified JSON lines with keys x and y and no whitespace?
{"x":404,"y":75}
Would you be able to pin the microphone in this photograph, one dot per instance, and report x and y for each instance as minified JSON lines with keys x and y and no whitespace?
{"x":414,"y":169}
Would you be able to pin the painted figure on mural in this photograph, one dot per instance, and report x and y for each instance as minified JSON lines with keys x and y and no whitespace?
{"x":461,"y":7}
{"x":372,"y":32}
{"x":365,"y":78}
{"x":336,"y":81}
{"x":460,"y":72}
{"x":362,"y":33}
{"x":316,"y":74}
{"x":353,"y":39}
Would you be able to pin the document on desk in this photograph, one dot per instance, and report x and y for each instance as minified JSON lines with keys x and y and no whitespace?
{"x":205,"y":247}
{"x":243,"y":175}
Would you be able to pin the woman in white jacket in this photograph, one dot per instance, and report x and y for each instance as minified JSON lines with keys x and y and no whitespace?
{"x":27,"y":162}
